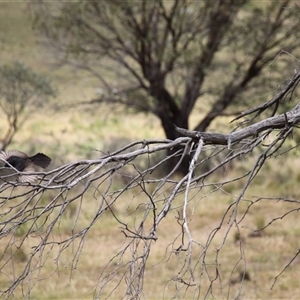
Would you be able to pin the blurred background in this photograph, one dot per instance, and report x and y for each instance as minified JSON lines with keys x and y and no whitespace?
{"x":102,"y":72}
{"x":54,"y":121}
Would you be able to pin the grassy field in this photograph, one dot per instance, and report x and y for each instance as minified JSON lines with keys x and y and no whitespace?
{"x":72,"y":134}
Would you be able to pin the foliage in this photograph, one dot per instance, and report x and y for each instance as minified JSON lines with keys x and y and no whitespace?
{"x":165,"y":57}
{"x":22,"y":93}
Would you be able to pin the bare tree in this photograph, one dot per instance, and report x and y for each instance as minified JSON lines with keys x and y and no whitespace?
{"x":195,"y":276}
{"x":172,"y":57}
{"x":22,"y":93}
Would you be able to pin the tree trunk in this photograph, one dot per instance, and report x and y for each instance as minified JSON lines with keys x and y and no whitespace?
{"x":168,"y":123}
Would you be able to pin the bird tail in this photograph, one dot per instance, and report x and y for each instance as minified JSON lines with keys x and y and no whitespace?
{"x":41,"y":160}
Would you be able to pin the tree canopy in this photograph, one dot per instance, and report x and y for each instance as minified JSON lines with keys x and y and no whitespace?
{"x":22,"y":93}
{"x":170,"y":58}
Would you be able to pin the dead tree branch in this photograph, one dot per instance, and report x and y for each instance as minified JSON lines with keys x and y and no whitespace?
{"x":128,"y":189}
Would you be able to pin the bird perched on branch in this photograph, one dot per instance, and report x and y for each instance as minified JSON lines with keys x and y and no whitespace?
{"x":24,"y":163}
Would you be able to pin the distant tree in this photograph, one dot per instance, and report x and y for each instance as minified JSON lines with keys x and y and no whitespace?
{"x":22,"y":93}
{"x":172,"y":57}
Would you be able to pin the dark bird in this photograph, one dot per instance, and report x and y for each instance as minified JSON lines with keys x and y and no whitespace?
{"x":24,"y":163}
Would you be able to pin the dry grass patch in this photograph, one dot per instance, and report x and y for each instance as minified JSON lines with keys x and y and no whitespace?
{"x":264,"y":256}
